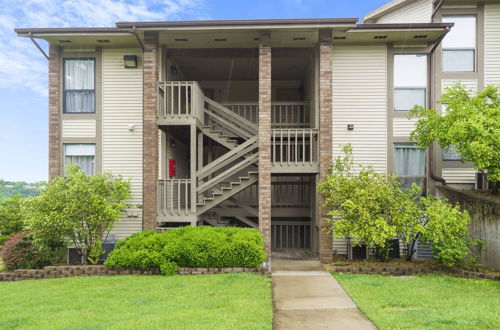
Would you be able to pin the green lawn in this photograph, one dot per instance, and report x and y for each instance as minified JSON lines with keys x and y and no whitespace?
{"x":225,"y":301}
{"x":426,"y":301}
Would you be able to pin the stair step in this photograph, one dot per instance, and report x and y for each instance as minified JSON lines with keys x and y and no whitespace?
{"x":253,"y":172}
{"x":235,"y":183}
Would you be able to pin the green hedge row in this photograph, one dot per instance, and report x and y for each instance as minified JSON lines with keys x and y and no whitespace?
{"x":189,"y":247}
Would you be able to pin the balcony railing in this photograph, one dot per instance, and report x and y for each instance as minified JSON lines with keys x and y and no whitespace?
{"x":174,"y":197}
{"x":283,"y":114}
{"x":294,"y":147}
{"x":180,"y":99}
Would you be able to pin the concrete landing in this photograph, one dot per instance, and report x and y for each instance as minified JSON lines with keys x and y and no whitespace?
{"x":305,"y":296}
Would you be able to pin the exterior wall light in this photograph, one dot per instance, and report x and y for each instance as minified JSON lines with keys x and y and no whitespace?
{"x":350,"y":127}
{"x":130,"y":61}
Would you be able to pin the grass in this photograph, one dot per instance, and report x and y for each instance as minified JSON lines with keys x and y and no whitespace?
{"x":224,"y":301}
{"x":425,"y":302}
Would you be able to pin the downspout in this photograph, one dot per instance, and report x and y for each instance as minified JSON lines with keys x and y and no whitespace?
{"x":431,"y":97}
{"x":134,"y":32}
{"x":30,"y":35}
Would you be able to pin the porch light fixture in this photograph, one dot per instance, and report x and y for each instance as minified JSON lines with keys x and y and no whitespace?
{"x":130,"y":61}
{"x":350,"y":127}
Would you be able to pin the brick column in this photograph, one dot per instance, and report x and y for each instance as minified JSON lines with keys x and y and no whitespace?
{"x":325,"y":134}
{"x":55,"y":85}
{"x":265,"y":140}
{"x":150,"y":130}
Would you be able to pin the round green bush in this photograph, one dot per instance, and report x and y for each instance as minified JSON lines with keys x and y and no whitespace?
{"x":169,"y":268}
{"x":204,"y":246}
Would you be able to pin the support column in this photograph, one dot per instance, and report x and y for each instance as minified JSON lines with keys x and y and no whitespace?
{"x":264,"y":189}
{"x":325,"y":135}
{"x":55,"y":152}
{"x":150,"y":131}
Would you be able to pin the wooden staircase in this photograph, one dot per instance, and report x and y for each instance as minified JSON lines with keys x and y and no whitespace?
{"x":235,"y":170}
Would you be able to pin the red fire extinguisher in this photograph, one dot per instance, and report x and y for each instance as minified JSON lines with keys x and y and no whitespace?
{"x":171,"y":168}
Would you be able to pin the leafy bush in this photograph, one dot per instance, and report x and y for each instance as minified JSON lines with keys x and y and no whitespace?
{"x":371,"y":208}
{"x":77,"y":209}
{"x":169,"y":268}
{"x":189,"y":247}
{"x":19,"y":252}
{"x":11,"y":220}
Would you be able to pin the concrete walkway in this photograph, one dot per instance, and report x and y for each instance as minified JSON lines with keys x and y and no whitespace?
{"x":305,"y":296}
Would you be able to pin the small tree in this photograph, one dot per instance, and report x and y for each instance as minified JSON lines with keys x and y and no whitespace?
{"x":10,"y":217}
{"x":371,"y":208}
{"x":471,"y":125}
{"x":77,"y":209}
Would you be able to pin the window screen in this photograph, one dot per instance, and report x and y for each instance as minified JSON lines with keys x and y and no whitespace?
{"x":79,"y":86}
{"x":82,"y":155}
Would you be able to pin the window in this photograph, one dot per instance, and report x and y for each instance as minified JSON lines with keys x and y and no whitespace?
{"x":410,"y":81}
{"x":459,"y":45}
{"x":450,"y":154}
{"x":79,"y":86}
{"x":82,"y":155}
{"x":409,"y":164}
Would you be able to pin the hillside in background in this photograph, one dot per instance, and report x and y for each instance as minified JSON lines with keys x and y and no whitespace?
{"x":11,"y":188}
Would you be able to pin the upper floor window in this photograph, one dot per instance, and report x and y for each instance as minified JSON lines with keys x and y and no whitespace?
{"x":82,"y":155}
{"x":459,"y":45}
{"x":79,"y":85}
{"x":410,"y":81}
{"x":450,"y":154}
{"x":409,"y":164}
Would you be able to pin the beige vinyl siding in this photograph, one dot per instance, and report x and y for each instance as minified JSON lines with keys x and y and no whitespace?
{"x":78,"y":128}
{"x":492,"y":44}
{"x":459,"y":175}
{"x":340,"y":246}
{"x":470,"y":84}
{"x":419,"y":11}
{"x":121,"y":148}
{"x":402,"y":127}
{"x":360,"y":98}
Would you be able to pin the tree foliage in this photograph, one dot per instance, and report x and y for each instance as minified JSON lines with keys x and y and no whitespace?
{"x":371,"y":208}
{"x":10,"y":217}
{"x":77,"y":209}
{"x":471,"y":124}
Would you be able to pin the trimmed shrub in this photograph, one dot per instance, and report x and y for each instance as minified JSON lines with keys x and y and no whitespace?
{"x":206,"y":247}
{"x":19,"y":252}
{"x":169,"y":268}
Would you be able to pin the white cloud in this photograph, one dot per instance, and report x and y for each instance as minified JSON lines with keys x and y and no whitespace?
{"x":22,"y":65}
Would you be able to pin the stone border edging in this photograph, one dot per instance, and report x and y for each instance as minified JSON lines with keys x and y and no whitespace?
{"x":100,"y":270}
{"x":400,"y":271}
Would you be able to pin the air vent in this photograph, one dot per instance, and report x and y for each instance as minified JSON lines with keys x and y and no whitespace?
{"x":103,"y":41}
{"x":380,"y":37}
{"x":181,"y":39}
{"x":64,"y":41}
{"x":339,"y":38}
{"x":256,"y":39}
{"x":220,"y":39}
{"x":299,"y":38}
{"x":420,"y":36}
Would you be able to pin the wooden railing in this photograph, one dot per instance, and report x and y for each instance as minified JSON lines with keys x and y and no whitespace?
{"x":290,"y":235}
{"x":285,"y":194}
{"x":174,"y":196}
{"x":294,"y":146}
{"x":283,"y":114}
{"x":180,"y":99}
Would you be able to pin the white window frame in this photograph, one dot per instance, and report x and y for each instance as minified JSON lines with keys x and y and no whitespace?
{"x":460,"y":49}
{"x":86,"y":154}
{"x":402,"y":87}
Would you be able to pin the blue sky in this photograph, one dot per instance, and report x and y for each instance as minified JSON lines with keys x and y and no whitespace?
{"x":23,"y":70}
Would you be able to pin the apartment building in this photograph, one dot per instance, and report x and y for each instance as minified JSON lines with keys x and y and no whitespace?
{"x":233,"y":122}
